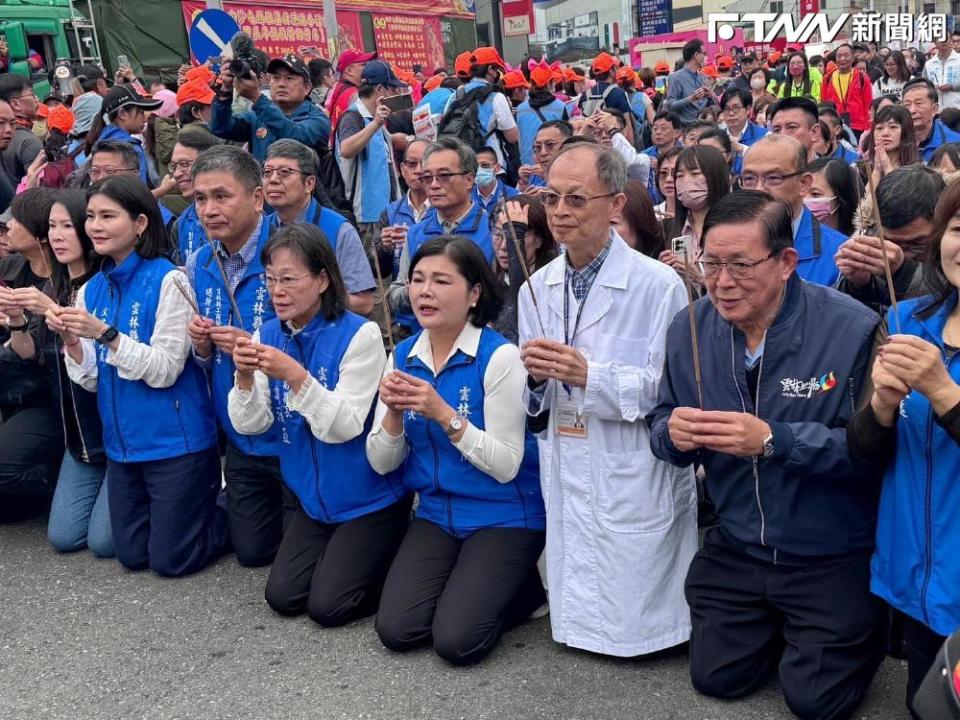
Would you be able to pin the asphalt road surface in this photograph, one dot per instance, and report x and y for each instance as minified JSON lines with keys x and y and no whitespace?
{"x":84,"y":638}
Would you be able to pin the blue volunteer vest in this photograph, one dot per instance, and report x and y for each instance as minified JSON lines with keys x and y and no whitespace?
{"x":334,"y":482}
{"x":817,"y":245}
{"x":455,"y":495}
{"x":529,"y":122}
{"x":190,"y":233}
{"x":316,"y":214}
{"x":142,"y":423}
{"x":373,"y":190}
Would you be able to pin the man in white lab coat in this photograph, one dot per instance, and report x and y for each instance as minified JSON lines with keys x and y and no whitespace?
{"x":621,"y":525}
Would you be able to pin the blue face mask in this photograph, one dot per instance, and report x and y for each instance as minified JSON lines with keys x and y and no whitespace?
{"x":486,"y":177}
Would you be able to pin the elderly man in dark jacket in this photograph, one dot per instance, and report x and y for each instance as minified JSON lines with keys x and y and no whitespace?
{"x":783,"y":582}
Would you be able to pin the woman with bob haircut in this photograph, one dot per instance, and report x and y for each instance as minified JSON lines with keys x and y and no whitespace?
{"x":310,"y":374}
{"x":126,"y":339}
{"x":450,"y":418}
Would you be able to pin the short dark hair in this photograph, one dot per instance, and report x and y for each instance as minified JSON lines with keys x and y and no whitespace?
{"x":950,"y":151}
{"x":808,"y":106}
{"x":691,"y":48}
{"x":748,"y":206}
{"x":720,"y":134}
{"x":130,"y":193}
{"x":736,"y":93}
{"x":31,"y":209}
{"x":319,"y":68}
{"x":185,"y":112}
{"x":127,"y":151}
{"x":13,"y":85}
{"x":699,"y":124}
{"x":670,"y":117}
{"x":908,"y":193}
{"x":232,"y":160}
{"x":925,"y":84}
{"x":473,"y":266}
{"x":951,"y":116}
{"x":565,"y":128}
{"x":198,"y":141}
{"x":310,"y":245}
{"x":487,"y":150}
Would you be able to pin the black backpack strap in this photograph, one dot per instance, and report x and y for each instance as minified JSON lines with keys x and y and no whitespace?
{"x":817,"y":244}
{"x":539,"y":114}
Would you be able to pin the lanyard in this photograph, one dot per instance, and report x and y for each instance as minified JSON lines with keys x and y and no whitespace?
{"x":567,"y":337}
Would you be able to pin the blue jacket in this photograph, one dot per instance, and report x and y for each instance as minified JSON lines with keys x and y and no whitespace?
{"x":475,"y":227}
{"x":118,"y":134}
{"x":655,"y":197}
{"x":916,"y":566}
{"x":529,"y":120}
{"x":940,"y":134}
{"x":330,"y":221}
{"x":842,"y":153}
{"x":454,"y":494}
{"x":256,"y":309}
{"x":503,"y":192}
{"x":809,"y":499}
{"x":817,"y":244}
{"x":333,"y":481}
{"x":751,"y":133}
{"x":266,"y":123}
{"x":190,"y":235}
{"x":142,"y":423}
{"x":437,"y":99}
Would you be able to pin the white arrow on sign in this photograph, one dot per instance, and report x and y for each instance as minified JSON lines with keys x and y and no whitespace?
{"x":226,"y":50}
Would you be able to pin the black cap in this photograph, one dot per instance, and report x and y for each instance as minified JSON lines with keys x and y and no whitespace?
{"x":377,"y":72}
{"x":121,"y":96}
{"x":291,"y":62}
{"x":750,"y":56}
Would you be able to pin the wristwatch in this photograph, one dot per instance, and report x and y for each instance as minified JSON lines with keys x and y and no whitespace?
{"x":768,"y":446}
{"x":454,"y":426}
{"x":108,"y":335}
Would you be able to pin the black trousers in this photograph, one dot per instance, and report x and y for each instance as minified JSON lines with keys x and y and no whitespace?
{"x":461,"y":595}
{"x":335,"y":571}
{"x":31,"y":448}
{"x":923,"y":644}
{"x":259,"y":506}
{"x":818,"y":624}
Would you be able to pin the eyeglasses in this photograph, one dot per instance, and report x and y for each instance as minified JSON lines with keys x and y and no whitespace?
{"x":731,"y":109}
{"x":545,"y":146}
{"x":574,"y":201}
{"x":412,"y":164}
{"x":30,"y":94}
{"x":97,"y":172}
{"x":444,"y":178}
{"x":286,"y":281}
{"x":282,"y":173}
{"x":182,"y":165}
{"x":737,"y":270}
{"x":769,"y":180}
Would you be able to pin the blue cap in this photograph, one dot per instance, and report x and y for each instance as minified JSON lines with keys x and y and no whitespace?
{"x":377,"y":72}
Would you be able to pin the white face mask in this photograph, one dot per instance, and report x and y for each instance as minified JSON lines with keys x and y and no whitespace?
{"x":757,"y":83}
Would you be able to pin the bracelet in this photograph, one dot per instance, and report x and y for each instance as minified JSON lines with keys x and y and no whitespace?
{"x":18,"y":328}
{"x":73,"y":344}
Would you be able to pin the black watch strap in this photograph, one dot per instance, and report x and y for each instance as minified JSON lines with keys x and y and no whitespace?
{"x":108,"y":335}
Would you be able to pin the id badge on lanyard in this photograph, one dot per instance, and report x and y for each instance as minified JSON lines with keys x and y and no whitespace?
{"x":570,"y":418}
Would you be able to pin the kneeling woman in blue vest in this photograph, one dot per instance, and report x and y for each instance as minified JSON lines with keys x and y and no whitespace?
{"x":127,"y":340}
{"x":312,"y":371}
{"x":450,"y":417}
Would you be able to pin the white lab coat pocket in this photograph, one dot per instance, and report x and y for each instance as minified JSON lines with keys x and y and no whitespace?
{"x":634,"y":493}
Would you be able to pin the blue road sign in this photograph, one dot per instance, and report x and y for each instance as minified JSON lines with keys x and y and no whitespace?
{"x":210,"y":33}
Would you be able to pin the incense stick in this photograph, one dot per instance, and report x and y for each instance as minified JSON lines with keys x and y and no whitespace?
{"x":693,"y":321}
{"x":385,"y":301}
{"x":237,"y":317}
{"x":186,"y":295}
{"x":522,"y":259}
{"x":871,"y":188}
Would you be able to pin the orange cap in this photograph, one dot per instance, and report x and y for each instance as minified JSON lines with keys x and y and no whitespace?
{"x":195,"y":91}
{"x":725,"y":62}
{"x":540,"y":76}
{"x":626,"y":75}
{"x":43,"y":111}
{"x":201,"y":73}
{"x":774,"y":57}
{"x":604,"y":62}
{"x":571,"y":75}
{"x":710,"y":71}
{"x":60,"y":118}
{"x":462,"y":64}
{"x":661,"y":67}
{"x":432,"y":83}
{"x":488,"y":56}
{"x":515,"y":79}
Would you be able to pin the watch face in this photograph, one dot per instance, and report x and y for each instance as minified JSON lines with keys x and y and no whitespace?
{"x":456,"y":423}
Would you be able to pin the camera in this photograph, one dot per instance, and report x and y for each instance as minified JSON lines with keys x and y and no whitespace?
{"x":248,"y":62}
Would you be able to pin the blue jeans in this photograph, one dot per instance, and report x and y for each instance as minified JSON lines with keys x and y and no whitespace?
{"x":79,"y":516}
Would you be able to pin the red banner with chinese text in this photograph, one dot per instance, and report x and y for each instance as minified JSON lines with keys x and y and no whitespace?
{"x":809,"y":7}
{"x":298,"y":26}
{"x":462,"y":8}
{"x":403,"y":40}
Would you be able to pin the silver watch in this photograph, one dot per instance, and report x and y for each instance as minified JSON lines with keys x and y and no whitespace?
{"x":768,"y":446}
{"x":454,"y":426}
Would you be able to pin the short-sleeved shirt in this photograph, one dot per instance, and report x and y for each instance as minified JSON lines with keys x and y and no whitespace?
{"x":19,"y":155}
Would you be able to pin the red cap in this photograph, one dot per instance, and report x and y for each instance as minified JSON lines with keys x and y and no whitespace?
{"x":60,"y":118}
{"x":661,"y":67}
{"x":604,"y":62}
{"x":43,"y":111}
{"x":725,"y":62}
{"x":462,"y":64}
{"x":353,"y":56}
{"x":195,"y":91}
{"x":515,"y":79}
{"x":488,"y":56}
{"x":773,"y":58}
{"x":201,"y":73}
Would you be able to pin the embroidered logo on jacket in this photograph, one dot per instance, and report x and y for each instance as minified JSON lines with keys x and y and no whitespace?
{"x":806,"y":389}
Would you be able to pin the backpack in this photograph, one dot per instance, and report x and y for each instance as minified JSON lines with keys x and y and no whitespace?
{"x":58,"y":171}
{"x":596,"y":102}
{"x":331,"y":190}
{"x":462,"y":119}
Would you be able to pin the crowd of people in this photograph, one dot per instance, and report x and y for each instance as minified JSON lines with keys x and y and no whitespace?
{"x":510,"y":361}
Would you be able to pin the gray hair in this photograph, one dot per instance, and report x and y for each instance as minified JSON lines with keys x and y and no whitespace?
{"x":611,"y":168}
{"x":413,"y":143}
{"x":466,"y":155}
{"x":232,"y":160}
{"x":307,"y":159}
